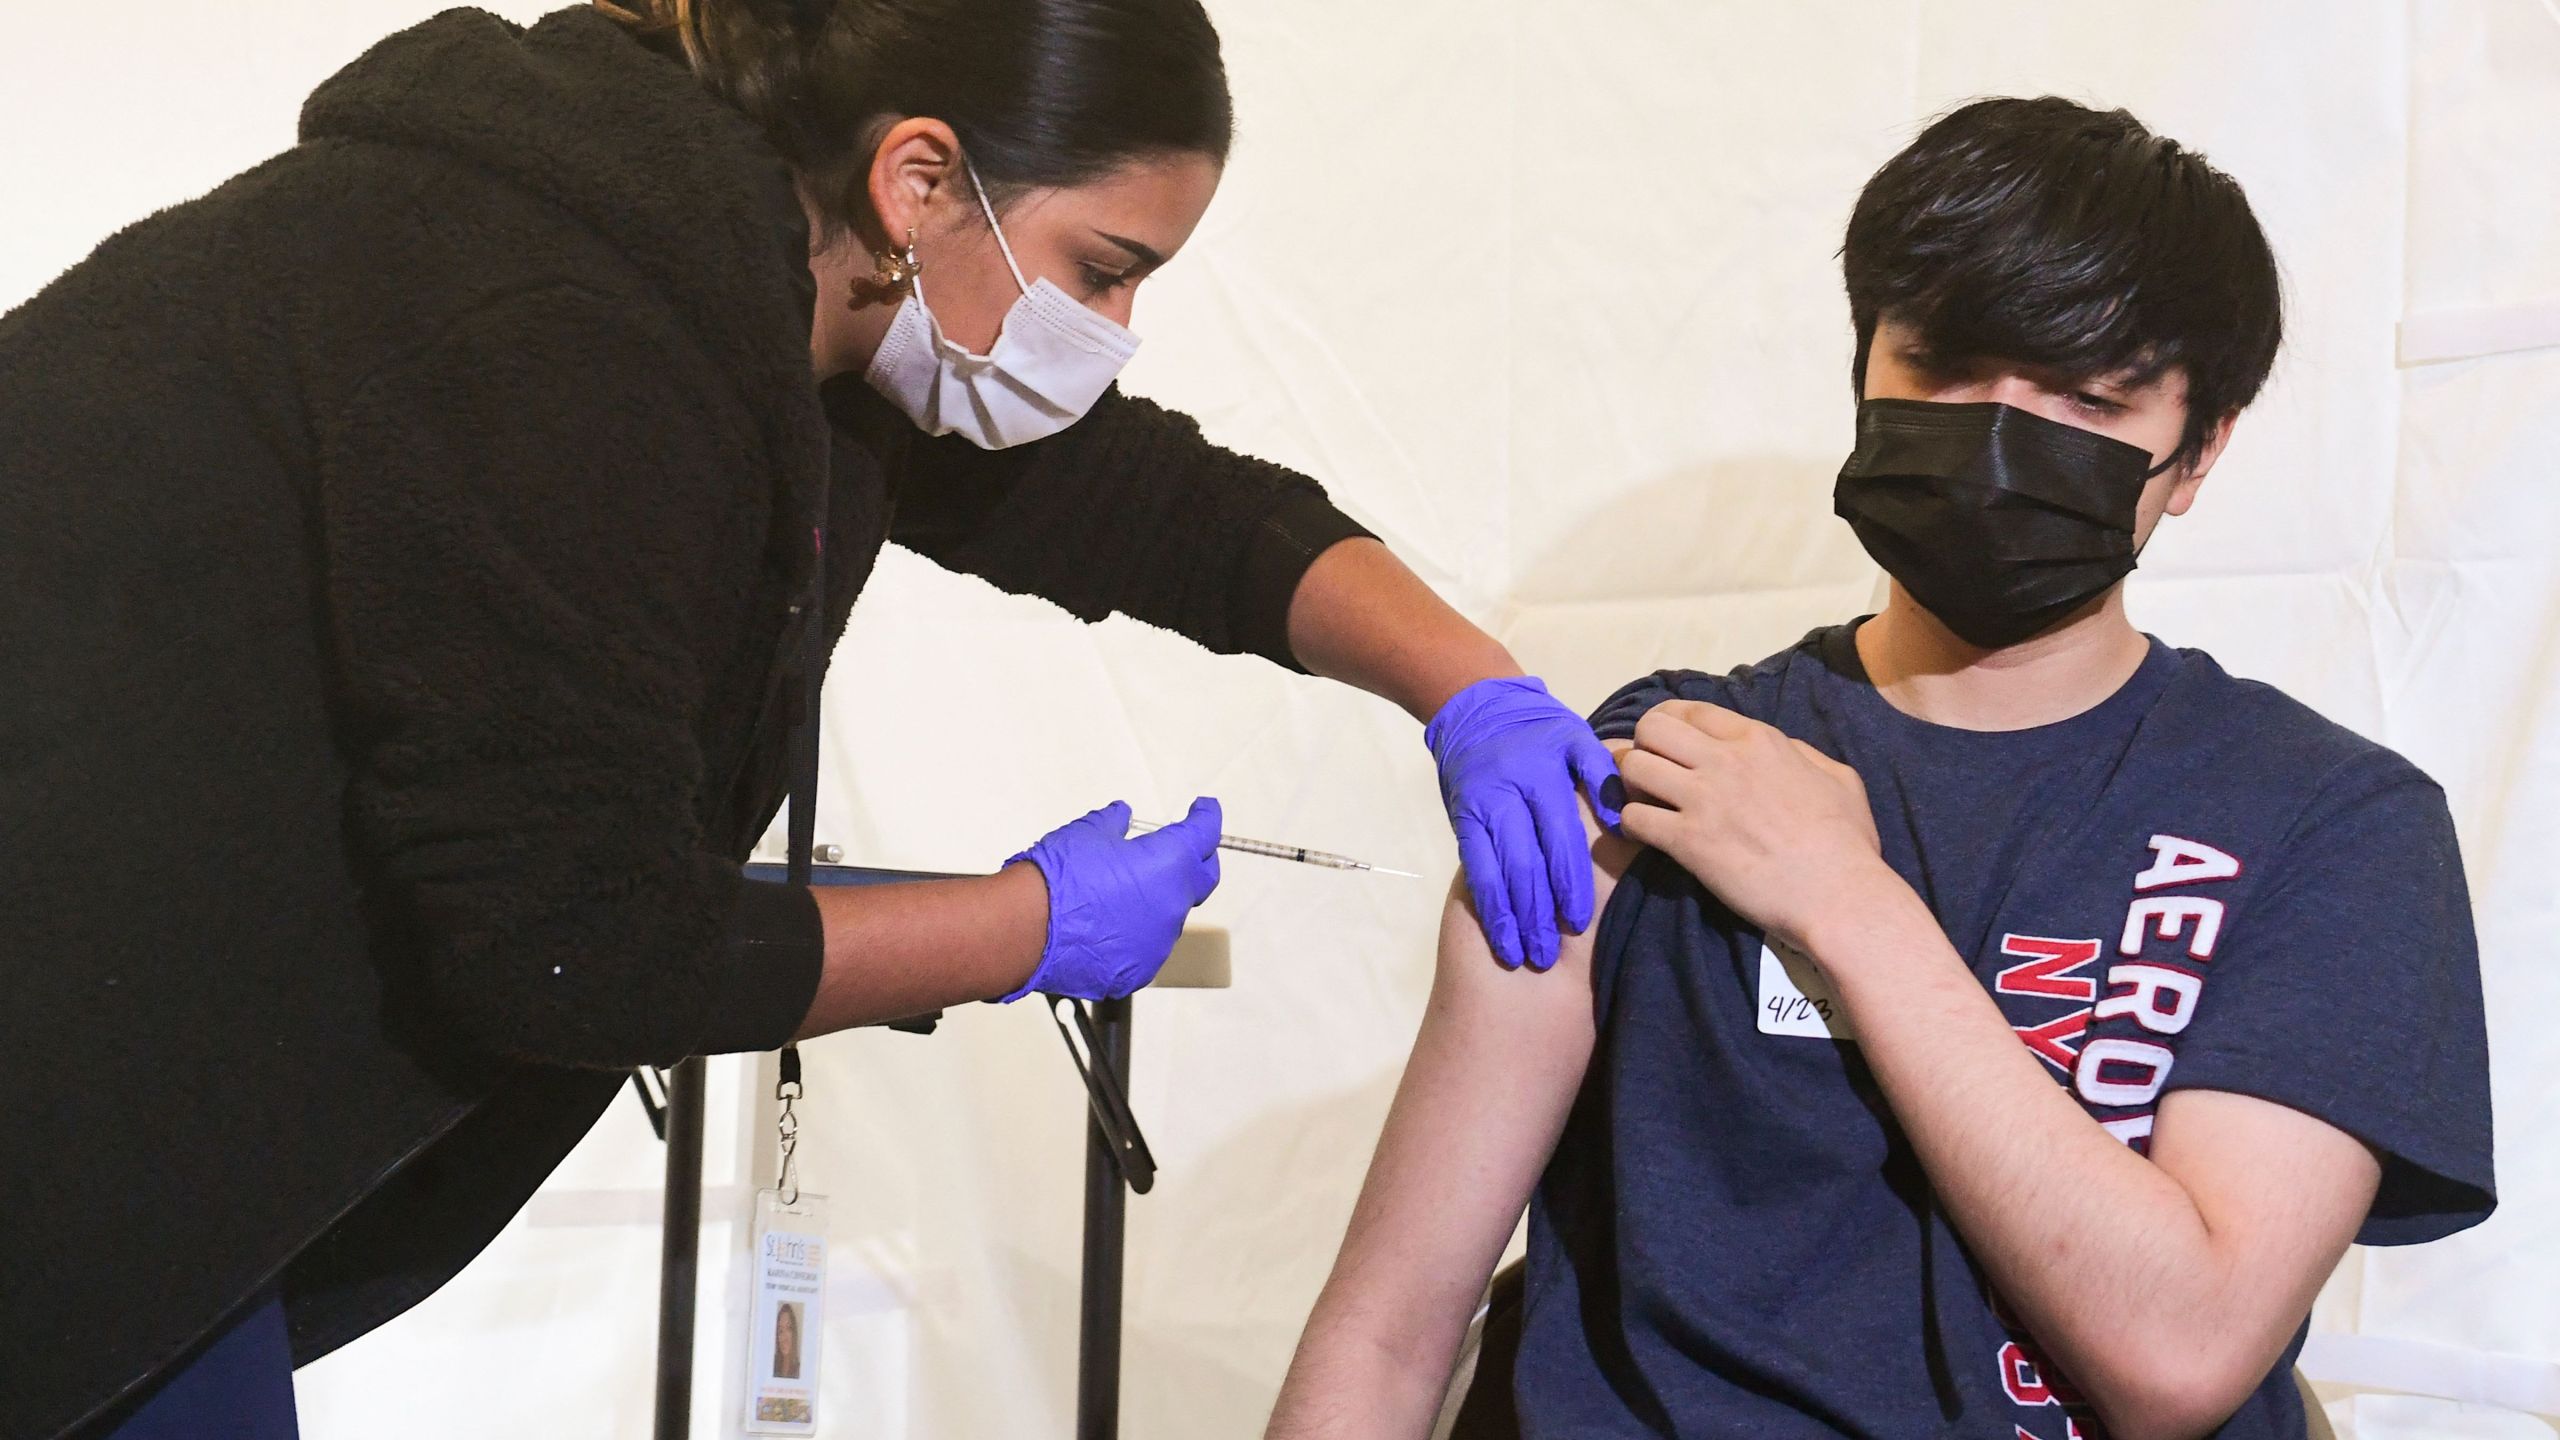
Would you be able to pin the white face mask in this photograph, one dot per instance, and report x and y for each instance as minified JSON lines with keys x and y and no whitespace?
{"x":1051,"y":362}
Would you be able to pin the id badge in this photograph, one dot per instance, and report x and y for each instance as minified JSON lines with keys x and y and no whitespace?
{"x":1795,"y":998}
{"x":790,"y":1297}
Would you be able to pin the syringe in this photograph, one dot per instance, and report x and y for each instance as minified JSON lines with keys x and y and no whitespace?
{"x":1277,"y":851}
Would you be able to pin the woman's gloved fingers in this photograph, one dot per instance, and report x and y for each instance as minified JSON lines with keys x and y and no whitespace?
{"x":1111,"y":822}
{"x":1533,"y":902}
{"x":1116,"y":904}
{"x":1568,"y":857}
{"x":1487,"y":888}
{"x":1499,"y":743}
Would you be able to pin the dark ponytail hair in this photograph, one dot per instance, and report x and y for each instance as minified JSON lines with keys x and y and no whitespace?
{"x":1041,"y":92}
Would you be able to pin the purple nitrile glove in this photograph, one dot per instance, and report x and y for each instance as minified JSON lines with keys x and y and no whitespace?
{"x":1511,"y":758}
{"x":1116,"y":903}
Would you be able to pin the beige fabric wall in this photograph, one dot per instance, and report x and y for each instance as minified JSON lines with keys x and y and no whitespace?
{"x":1546,"y":294}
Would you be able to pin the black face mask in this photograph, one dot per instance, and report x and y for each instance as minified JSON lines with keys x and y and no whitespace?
{"x":1999,"y":521}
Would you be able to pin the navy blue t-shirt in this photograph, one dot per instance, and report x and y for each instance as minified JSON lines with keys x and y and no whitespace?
{"x":2199,"y":883}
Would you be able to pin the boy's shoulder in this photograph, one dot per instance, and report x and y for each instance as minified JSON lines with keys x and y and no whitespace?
{"x":2229,"y":722}
{"x":2257,"y":727}
{"x":1750,"y":689}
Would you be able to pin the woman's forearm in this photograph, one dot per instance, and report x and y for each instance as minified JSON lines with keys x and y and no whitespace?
{"x":1359,"y":616}
{"x":899,"y":950}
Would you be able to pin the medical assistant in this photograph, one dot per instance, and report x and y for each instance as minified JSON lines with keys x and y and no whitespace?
{"x":436,"y":505}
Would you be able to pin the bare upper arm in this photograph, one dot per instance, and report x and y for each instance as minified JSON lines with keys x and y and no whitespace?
{"x":1529,"y":1032}
{"x":1483,"y":1099}
{"x":1478,"y":1005}
{"x":1499,"y":1057}
{"x":2280,"y":1192}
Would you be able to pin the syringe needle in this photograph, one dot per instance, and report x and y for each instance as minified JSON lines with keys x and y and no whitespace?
{"x":1276,"y":851}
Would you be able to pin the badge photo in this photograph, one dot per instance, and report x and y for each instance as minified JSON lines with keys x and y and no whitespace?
{"x":790,"y":1262}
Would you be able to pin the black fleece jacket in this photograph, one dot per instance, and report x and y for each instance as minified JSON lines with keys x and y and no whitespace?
{"x":402,"y":551}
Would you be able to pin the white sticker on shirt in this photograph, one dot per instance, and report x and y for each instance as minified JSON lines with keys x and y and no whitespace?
{"x":1795,"y":999}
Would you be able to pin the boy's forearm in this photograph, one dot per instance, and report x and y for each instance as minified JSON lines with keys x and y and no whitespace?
{"x":2039,"y":1193}
{"x":2107,"y":1256}
{"x":1344,"y":1384}
{"x":1386,"y":1329}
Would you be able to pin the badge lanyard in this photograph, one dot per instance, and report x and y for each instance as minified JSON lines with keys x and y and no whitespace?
{"x":802,"y":842}
{"x":788,"y":1313}
{"x":790,"y":1234}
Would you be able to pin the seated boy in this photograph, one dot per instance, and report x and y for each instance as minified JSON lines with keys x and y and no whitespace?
{"x":2009,"y":1020}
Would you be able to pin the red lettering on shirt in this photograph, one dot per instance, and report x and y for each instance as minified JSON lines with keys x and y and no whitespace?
{"x":2048,"y":968}
{"x":2115,"y":1072}
{"x":2018,"y":1376}
{"x":2055,"y":1042}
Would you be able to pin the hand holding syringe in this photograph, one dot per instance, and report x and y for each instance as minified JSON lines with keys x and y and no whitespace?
{"x":1277,"y":851}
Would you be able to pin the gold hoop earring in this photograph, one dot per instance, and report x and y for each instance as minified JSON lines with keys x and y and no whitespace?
{"x":899,"y":268}
{"x":890,"y":274}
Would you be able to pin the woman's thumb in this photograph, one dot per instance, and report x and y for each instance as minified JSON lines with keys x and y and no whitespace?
{"x":1201,"y":827}
{"x":1203,"y":823}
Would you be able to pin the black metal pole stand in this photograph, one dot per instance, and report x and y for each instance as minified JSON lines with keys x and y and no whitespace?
{"x":1106,"y":1220}
{"x":681,"y":1245}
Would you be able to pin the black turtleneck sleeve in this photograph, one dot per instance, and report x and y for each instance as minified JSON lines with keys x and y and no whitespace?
{"x":1130,"y":510}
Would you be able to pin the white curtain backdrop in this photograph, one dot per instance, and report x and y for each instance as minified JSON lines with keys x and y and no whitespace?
{"x":1547,"y":295}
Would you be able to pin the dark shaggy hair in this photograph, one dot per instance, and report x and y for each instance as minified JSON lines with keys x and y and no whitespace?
{"x":2047,"y":232}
